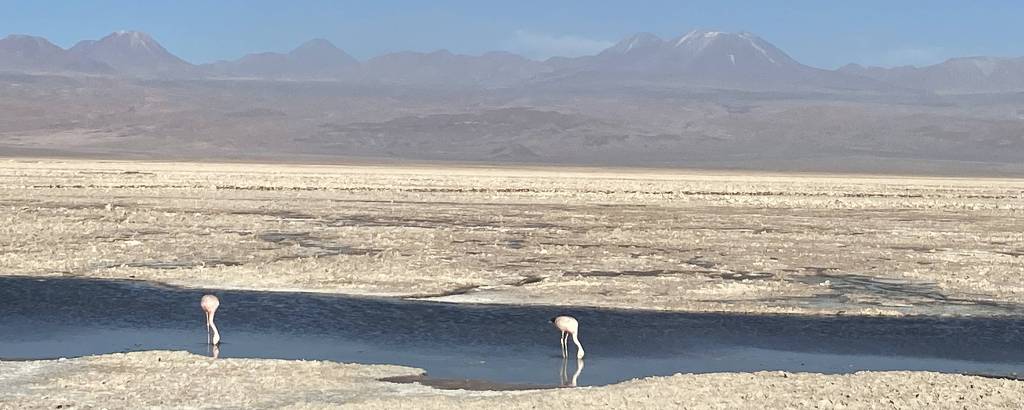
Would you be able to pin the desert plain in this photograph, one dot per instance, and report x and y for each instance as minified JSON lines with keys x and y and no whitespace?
{"x":658,"y":239}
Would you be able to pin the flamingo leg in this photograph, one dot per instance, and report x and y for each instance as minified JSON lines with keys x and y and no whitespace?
{"x":565,"y":375}
{"x":209,"y":333}
{"x":565,"y":344}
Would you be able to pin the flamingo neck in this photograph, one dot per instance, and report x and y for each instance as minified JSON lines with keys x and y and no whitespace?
{"x":579,"y":353}
{"x":216,"y":334}
{"x":213,"y":327}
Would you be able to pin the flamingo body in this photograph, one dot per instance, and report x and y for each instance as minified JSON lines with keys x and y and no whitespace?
{"x":210,"y":303}
{"x":568,"y":325}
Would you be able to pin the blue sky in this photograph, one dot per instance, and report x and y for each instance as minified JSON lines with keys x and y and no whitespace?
{"x":821,"y":33}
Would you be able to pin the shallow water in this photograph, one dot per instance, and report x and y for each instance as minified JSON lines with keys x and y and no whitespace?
{"x":49,"y":318}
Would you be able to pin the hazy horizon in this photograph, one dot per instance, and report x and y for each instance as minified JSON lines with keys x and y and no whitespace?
{"x":747,"y":94}
{"x":871,"y":33}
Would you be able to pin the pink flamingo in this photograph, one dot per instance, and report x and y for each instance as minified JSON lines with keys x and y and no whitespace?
{"x":569,"y":326}
{"x":210,"y":304}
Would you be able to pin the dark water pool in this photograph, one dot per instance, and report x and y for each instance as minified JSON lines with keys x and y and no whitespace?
{"x":49,"y":318}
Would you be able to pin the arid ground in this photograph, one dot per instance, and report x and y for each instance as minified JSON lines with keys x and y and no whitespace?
{"x":643,"y":239}
{"x":625,"y":238}
{"x":183,"y":380}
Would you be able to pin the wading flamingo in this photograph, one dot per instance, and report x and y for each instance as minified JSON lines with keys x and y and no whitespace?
{"x":569,"y":326}
{"x":210,"y":304}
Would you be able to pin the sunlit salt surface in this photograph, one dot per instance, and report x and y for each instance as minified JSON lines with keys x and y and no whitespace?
{"x":53,"y":318}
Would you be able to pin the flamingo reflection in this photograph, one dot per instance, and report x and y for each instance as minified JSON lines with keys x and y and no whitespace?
{"x":566,"y":381}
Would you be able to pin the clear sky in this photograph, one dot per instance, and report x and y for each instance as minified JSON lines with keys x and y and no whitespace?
{"x":823,"y":33}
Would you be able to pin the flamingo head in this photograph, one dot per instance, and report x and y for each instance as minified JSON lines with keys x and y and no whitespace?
{"x":216,"y":339}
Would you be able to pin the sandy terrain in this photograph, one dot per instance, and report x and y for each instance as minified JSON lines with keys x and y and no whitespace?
{"x":183,"y":380}
{"x":625,"y":238}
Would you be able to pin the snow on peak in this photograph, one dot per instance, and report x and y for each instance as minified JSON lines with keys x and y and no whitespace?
{"x":632,"y":44}
{"x":135,"y":39}
{"x":698,"y":38}
{"x":637,"y":41}
{"x":699,"y":41}
{"x":761,"y":50}
{"x":686,"y":37}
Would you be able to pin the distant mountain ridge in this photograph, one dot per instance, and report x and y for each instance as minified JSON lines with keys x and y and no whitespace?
{"x":964,"y":74}
{"x":705,"y":58}
{"x":130,"y":52}
{"x":496,"y":68}
{"x":700,"y":58}
{"x":30,"y":53}
{"x":314,"y":59}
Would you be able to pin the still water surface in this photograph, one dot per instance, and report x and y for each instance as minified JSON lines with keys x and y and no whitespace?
{"x":49,"y":318}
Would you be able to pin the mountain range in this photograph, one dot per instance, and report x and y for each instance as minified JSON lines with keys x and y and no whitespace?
{"x":129,"y":52}
{"x":704,"y":99}
{"x":700,"y":58}
{"x":315,"y":59}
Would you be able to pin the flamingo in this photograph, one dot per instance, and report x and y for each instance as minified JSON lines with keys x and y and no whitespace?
{"x":568,"y":325}
{"x":210,"y":304}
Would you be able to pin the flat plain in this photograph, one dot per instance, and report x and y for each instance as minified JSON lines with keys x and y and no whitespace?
{"x":646,"y":239}
{"x":627,"y":238}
